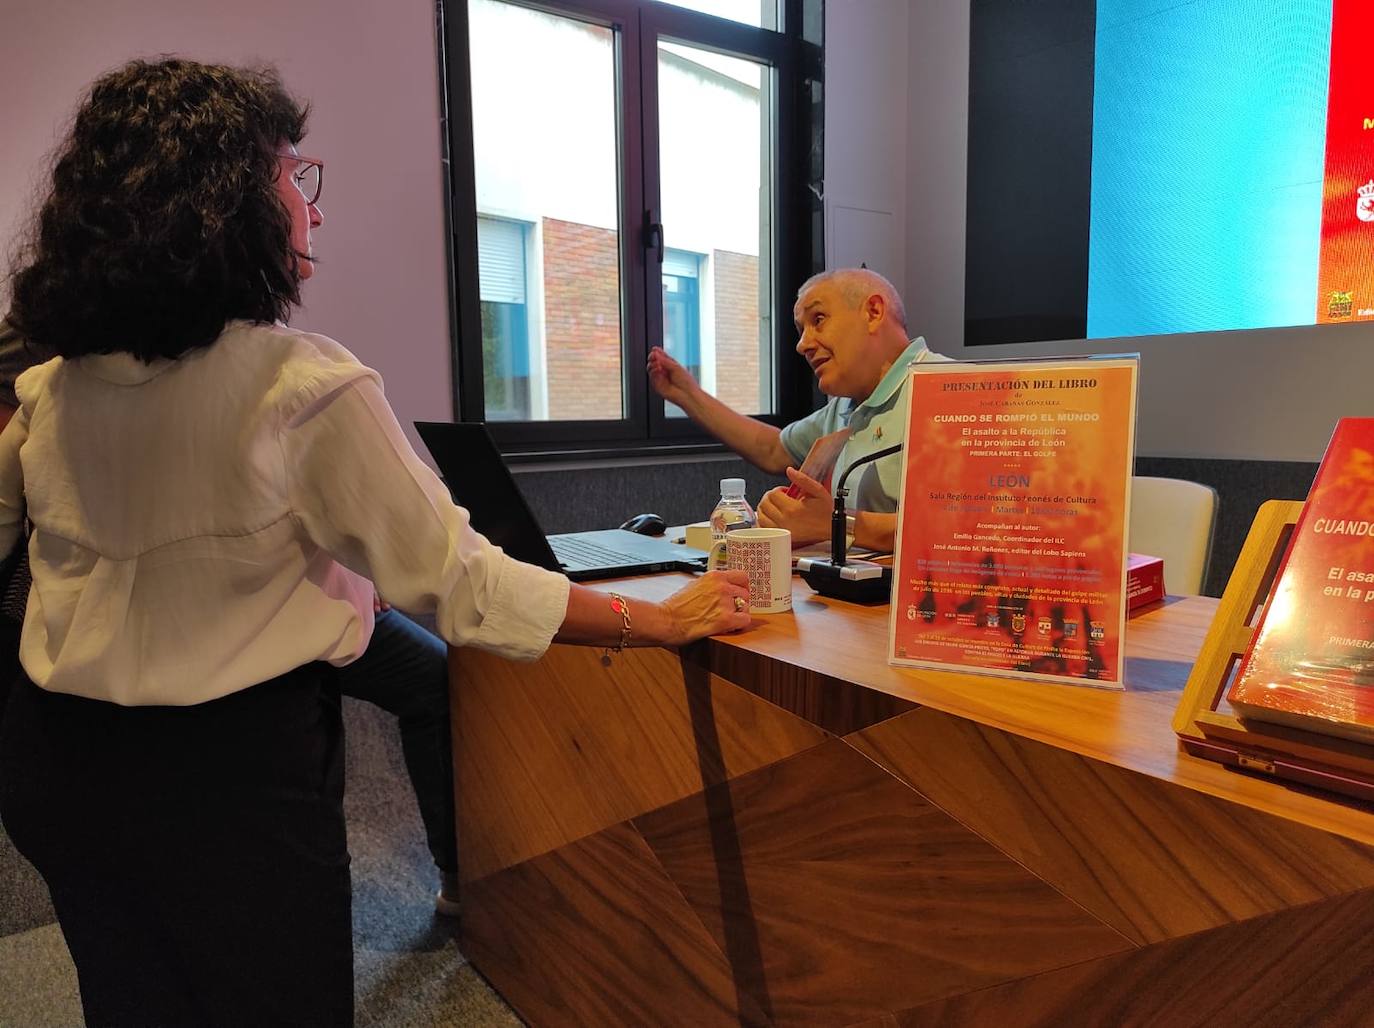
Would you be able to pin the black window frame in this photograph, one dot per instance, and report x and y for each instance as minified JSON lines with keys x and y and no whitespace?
{"x":797,"y":219}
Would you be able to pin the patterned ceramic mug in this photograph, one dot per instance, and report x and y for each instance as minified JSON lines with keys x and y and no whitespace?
{"x":766,"y":553}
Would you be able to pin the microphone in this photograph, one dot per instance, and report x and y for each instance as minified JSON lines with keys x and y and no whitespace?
{"x":857,"y":581}
{"x":839,"y":541}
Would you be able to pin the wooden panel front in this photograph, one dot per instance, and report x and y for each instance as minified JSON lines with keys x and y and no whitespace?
{"x":1309,"y":966}
{"x":836,"y":705}
{"x":837,"y":892}
{"x":1153,"y":859}
{"x":596,"y":934}
{"x":549,"y":752}
{"x":677,"y":849}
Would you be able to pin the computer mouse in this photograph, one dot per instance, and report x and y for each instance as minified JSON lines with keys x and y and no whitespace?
{"x":646,"y":524}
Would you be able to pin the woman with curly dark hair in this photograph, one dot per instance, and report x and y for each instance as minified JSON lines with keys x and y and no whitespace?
{"x":212,"y":495}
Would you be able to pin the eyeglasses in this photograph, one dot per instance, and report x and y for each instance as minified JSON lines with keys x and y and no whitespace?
{"x":309,"y":178}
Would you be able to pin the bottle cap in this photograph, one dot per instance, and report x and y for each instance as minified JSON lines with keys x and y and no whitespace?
{"x":732,"y":487}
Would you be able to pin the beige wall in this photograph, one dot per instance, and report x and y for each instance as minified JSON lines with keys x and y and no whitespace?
{"x":370,"y":70}
{"x":866,"y":181}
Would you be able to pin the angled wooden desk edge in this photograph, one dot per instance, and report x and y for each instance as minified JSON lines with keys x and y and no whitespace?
{"x":1128,"y":728}
{"x":684,"y":838}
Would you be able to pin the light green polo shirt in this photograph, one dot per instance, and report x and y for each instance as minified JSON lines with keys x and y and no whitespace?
{"x":875,"y":424}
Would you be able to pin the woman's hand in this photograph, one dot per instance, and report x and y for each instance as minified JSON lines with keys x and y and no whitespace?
{"x":716,"y":602}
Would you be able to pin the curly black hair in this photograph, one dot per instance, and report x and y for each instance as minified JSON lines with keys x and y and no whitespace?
{"x":163,"y":222}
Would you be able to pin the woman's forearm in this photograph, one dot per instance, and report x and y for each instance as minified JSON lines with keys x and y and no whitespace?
{"x":716,"y":602}
{"x":593,"y":620}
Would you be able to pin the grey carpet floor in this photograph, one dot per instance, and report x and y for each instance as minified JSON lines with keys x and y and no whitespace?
{"x":408,"y":970}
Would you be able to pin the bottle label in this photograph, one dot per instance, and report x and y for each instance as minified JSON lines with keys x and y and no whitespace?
{"x":728,"y":520}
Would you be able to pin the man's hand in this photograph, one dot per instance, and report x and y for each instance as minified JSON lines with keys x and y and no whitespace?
{"x":807,"y":518}
{"x":757,"y":442}
{"x":670,"y":379}
{"x":379,"y":604}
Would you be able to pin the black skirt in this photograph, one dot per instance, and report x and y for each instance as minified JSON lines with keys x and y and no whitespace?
{"x":196,"y":856}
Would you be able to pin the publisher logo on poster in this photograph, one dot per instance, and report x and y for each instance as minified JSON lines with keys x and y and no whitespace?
{"x":1044,"y":624}
{"x":1364,"y":203}
{"x":994,"y":619}
{"x":1018,"y":623}
{"x":1096,"y":631}
{"x":1340,"y":305}
{"x":1070,"y":629}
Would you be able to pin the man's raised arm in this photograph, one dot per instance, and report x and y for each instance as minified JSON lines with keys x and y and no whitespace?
{"x":758,"y":443}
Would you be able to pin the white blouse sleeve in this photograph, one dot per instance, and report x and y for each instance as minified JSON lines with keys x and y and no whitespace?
{"x":362,"y":494}
{"x":12,"y":480}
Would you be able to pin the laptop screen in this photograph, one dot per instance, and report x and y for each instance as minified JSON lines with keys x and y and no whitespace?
{"x":479,"y":481}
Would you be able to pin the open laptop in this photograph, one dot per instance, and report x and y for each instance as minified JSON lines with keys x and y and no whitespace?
{"x":479,"y":481}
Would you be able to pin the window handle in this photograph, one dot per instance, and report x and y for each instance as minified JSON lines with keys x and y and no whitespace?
{"x":653,"y":234}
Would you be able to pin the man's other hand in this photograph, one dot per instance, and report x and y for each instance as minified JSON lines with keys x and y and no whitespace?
{"x":806,"y":517}
{"x":670,"y":379}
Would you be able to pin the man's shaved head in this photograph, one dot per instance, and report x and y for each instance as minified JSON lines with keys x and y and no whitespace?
{"x":855,"y":285}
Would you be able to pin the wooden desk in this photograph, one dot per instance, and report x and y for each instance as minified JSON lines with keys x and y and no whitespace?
{"x":778,"y":828}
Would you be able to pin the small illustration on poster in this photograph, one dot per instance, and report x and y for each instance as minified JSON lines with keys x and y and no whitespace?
{"x":1011,"y":541}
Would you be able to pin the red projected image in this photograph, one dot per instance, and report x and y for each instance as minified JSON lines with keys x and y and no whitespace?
{"x":1345,"y":277}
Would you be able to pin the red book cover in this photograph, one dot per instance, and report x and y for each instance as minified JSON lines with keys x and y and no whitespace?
{"x":1144,"y":580}
{"x":1311,"y":662}
{"x":821,"y":460}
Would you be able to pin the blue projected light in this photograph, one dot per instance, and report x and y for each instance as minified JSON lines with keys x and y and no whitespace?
{"x":1209,"y":125}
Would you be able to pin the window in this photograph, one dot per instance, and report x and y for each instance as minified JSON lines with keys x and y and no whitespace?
{"x":618,"y":168}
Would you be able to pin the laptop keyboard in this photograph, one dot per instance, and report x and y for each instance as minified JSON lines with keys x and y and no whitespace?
{"x":580,"y":553}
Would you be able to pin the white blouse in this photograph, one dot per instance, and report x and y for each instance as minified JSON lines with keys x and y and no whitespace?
{"x":205,"y":524}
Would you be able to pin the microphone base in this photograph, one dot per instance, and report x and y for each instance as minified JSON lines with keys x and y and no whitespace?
{"x":858,"y":581}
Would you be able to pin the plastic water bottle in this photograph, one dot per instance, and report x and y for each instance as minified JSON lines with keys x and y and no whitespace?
{"x":733,"y":510}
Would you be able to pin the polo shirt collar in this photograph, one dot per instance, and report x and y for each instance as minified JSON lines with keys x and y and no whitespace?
{"x":896,"y":375}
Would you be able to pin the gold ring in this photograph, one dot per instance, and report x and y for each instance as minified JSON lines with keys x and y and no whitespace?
{"x":739,"y":604}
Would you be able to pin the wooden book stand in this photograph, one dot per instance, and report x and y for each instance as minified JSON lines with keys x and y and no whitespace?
{"x":1310,"y":758}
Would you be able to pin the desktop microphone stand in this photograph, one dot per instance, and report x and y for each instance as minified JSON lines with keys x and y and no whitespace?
{"x":856,"y":581}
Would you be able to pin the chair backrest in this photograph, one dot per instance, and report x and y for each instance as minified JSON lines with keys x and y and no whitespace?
{"x":1174,"y":519}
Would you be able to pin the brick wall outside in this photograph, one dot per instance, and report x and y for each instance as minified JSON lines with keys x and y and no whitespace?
{"x":737,"y":330}
{"x":582,"y":323}
{"x":582,"y":320}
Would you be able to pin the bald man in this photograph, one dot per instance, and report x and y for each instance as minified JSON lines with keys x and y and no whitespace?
{"x":853,"y":333}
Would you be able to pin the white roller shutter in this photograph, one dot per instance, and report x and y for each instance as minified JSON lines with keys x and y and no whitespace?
{"x":501,"y":260}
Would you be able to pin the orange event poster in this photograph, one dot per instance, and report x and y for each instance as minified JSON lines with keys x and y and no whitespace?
{"x":1011,"y":541}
